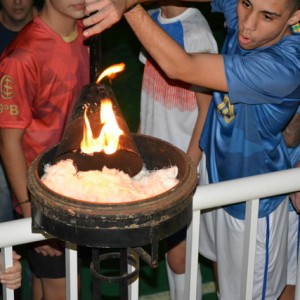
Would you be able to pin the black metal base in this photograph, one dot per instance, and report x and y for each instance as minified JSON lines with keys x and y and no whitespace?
{"x":126,"y":257}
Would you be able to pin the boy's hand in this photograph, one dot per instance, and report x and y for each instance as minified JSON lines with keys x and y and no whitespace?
{"x":52,"y":247}
{"x":103,"y":14}
{"x":12,"y":276}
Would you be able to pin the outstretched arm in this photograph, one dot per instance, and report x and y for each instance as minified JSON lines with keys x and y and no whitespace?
{"x":203,"y":69}
{"x":104,"y":13}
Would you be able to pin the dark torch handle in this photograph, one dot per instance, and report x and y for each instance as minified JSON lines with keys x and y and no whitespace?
{"x":95,"y":57}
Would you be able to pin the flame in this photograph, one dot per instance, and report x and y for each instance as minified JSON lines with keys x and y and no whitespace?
{"x":111,"y":71}
{"x":108,"y":139}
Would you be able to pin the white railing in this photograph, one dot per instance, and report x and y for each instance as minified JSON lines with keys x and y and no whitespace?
{"x":249,"y":189}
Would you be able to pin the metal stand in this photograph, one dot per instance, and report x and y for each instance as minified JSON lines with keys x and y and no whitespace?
{"x":126,"y":257}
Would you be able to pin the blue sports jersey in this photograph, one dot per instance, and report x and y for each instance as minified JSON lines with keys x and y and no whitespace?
{"x":174,"y":29}
{"x":243,"y":130}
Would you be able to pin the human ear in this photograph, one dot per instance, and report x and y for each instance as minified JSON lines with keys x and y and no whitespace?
{"x":295,"y":18}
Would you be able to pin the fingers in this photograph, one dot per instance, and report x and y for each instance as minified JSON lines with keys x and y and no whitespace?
{"x":52,"y":247}
{"x":98,"y":28}
{"x":16,"y":256}
{"x":92,"y":6}
{"x":12,"y":276}
{"x":12,"y":284}
{"x":101,"y":15}
{"x":47,"y":250}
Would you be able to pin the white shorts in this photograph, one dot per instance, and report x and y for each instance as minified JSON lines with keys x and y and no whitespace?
{"x":221,"y":240}
{"x":293,"y":240}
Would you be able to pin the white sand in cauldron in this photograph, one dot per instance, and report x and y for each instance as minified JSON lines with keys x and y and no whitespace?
{"x":108,"y":185}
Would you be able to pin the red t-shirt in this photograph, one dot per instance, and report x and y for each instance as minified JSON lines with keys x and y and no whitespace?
{"x":41,"y":76}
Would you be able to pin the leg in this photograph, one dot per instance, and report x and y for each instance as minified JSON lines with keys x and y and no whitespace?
{"x":293,"y":240}
{"x":37,"y":293}
{"x":288,"y":293}
{"x":54,"y":288}
{"x":175,"y":260}
{"x":48,"y":272}
{"x":215,"y":272}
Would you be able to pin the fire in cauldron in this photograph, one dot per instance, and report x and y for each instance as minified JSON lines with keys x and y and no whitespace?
{"x":97,"y":134}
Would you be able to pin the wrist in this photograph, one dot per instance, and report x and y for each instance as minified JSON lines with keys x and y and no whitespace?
{"x":131,"y":7}
{"x":25,"y":202}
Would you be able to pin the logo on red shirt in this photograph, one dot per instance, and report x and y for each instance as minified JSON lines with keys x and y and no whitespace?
{"x":7,"y":87}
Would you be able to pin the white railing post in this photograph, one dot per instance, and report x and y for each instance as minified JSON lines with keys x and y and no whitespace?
{"x":249,"y":247}
{"x":7,"y":258}
{"x":133,"y":289}
{"x":297,"y":292}
{"x":71,"y":271}
{"x":192,"y":254}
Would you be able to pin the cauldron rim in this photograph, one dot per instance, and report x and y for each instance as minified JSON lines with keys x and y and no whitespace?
{"x":88,"y":203}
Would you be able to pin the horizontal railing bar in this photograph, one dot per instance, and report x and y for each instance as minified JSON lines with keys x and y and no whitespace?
{"x":18,"y":232}
{"x":247,"y":188}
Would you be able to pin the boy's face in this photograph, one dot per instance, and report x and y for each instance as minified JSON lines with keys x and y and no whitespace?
{"x":70,"y":8}
{"x":263,"y":22}
{"x":16,"y":10}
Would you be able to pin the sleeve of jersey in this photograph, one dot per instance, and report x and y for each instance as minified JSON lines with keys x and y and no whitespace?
{"x":260,"y":78}
{"x":228,"y":8}
{"x":199,"y":37}
{"x":17,"y":85}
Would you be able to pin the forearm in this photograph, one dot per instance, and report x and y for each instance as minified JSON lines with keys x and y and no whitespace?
{"x":203,"y":69}
{"x":203,"y":102}
{"x":295,"y":197}
{"x":15,"y":165}
{"x":292,"y":132}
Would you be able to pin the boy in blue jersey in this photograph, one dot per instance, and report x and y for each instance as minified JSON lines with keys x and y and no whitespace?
{"x":257,"y":91}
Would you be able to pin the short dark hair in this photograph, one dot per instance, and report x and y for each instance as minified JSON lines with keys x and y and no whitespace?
{"x":293,"y":5}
